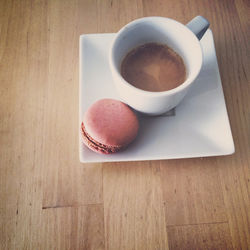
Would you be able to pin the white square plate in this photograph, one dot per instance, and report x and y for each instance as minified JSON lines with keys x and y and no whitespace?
{"x":199,"y":126}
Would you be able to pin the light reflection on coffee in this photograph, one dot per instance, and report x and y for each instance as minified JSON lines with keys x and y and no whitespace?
{"x":153,"y":67}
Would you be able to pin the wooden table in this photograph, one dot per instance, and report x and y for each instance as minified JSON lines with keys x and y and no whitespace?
{"x":49,"y":200}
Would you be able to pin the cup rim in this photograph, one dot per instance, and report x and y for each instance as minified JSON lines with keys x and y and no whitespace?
{"x":182,"y":86}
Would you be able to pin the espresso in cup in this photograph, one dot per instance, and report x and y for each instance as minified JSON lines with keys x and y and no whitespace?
{"x":153,"y":67}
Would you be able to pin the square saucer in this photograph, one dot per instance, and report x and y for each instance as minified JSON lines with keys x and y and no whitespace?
{"x":198,"y":127}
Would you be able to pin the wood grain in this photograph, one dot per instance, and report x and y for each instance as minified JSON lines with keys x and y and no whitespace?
{"x":66,"y":181}
{"x":133,"y":207}
{"x":73,"y":228}
{"x":201,"y":236}
{"x":112,"y":15}
{"x":23,"y":78}
{"x":48,"y":200}
{"x":232,"y":48}
{"x":189,"y":192}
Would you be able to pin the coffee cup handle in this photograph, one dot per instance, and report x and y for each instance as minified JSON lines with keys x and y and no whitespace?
{"x":198,"y":26}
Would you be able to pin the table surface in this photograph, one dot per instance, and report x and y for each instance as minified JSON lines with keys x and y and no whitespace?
{"x":49,"y":200}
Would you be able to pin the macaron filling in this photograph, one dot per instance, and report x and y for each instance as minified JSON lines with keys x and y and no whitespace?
{"x":97,"y":146}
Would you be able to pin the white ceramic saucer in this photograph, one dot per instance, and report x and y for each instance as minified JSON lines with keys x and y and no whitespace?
{"x":198,"y":127}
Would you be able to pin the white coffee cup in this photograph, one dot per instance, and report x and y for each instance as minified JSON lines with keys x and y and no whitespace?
{"x":183,"y":39}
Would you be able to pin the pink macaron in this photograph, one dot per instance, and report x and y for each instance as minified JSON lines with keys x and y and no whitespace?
{"x":109,"y":126}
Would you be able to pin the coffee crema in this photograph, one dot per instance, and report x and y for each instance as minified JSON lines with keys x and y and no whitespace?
{"x":153,"y":67}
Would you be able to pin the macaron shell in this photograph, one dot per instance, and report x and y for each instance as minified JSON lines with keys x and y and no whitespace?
{"x":111,"y":122}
